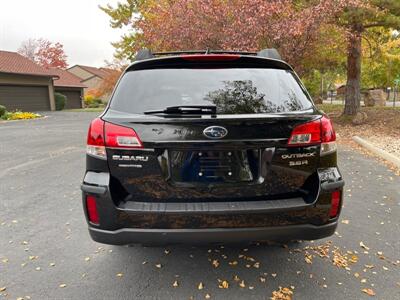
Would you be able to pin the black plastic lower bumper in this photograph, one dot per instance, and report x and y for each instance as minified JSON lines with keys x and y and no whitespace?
{"x":127,"y":236}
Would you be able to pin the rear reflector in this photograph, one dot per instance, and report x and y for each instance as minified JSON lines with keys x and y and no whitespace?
{"x":121,"y":137}
{"x":91,"y":207}
{"x":335,"y":204}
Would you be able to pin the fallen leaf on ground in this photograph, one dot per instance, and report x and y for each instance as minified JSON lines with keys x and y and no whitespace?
{"x":120,"y":274}
{"x":362,"y":245}
{"x":2,"y":289}
{"x":215,"y":263}
{"x":282,"y":294}
{"x":207,"y":296}
{"x":223,"y":284}
{"x":345,"y":222}
{"x":159,"y":266}
{"x":175,"y":284}
{"x":200,"y":286}
{"x":87,"y":258}
{"x":242,"y":284}
{"x":369,"y":292}
{"x":308,"y":258}
{"x":233,"y":263}
{"x":62,"y":285}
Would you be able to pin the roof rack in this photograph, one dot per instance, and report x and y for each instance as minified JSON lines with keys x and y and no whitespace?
{"x":266,"y":53}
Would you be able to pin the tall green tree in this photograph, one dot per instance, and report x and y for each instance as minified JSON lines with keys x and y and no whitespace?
{"x":357,"y":19}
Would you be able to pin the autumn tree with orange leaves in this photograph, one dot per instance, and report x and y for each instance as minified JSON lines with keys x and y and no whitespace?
{"x":292,"y":26}
{"x":44,"y":53}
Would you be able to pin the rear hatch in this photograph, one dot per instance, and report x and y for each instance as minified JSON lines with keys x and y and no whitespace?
{"x":212,"y":130}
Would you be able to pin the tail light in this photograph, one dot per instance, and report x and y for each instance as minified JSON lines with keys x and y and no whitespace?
{"x":103,"y":134}
{"x":91,"y":207}
{"x":121,"y":137}
{"x":335,"y":204}
{"x":95,"y":140}
{"x":315,"y":132}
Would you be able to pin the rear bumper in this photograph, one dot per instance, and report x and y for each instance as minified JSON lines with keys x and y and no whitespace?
{"x":213,"y":235}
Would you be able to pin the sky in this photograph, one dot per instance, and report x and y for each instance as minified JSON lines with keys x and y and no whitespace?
{"x":79,"y":25}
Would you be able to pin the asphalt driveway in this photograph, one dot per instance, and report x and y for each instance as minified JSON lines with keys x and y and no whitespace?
{"x":46,"y":252}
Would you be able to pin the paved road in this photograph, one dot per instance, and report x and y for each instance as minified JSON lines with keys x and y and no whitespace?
{"x":44,"y":242}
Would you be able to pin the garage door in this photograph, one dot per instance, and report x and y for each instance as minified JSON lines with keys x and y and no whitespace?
{"x":25,"y":98}
{"x":73,"y":98}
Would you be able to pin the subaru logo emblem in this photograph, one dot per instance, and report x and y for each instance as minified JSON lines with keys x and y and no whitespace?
{"x":215,"y":132}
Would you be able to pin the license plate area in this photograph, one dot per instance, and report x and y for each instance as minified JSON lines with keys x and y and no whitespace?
{"x":216,"y":166}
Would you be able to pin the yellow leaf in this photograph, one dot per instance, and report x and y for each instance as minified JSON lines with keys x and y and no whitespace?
{"x":2,"y":289}
{"x":120,"y":274}
{"x":63,"y":285}
{"x":345,"y":222}
{"x":369,"y":292}
{"x":159,"y":266}
{"x":242,"y":284}
{"x":200,"y":286}
{"x":233,"y":263}
{"x":207,"y":296}
{"x":175,"y":284}
{"x":224,"y":284}
{"x":87,"y":258}
{"x":215,"y":263}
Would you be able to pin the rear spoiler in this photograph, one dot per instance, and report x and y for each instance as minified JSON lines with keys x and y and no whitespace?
{"x":265,"y":53}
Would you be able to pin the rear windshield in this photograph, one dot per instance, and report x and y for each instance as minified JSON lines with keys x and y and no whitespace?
{"x":231,"y":90}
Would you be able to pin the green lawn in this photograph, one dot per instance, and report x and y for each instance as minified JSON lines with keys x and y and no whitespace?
{"x":98,"y":109}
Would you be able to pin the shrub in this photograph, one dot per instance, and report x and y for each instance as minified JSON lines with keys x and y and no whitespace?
{"x":92,"y":102}
{"x":61,"y":101}
{"x":19,"y":115}
{"x":2,"y":110}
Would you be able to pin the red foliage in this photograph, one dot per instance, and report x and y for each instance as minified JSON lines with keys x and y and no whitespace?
{"x":51,"y":55}
{"x":237,"y":25}
{"x":44,"y":53}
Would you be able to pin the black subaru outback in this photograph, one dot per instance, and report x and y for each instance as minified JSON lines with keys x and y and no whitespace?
{"x":208,"y":147}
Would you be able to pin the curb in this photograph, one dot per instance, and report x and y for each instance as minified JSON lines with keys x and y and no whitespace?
{"x":381,"y":153}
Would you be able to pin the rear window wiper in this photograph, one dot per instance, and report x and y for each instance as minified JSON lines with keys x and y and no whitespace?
{"x":185,"y":110}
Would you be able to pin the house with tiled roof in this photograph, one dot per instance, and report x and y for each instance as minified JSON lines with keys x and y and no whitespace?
{"x":92,"y":77}
{"x":70,"y":86}
{"x":24,"y":85}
